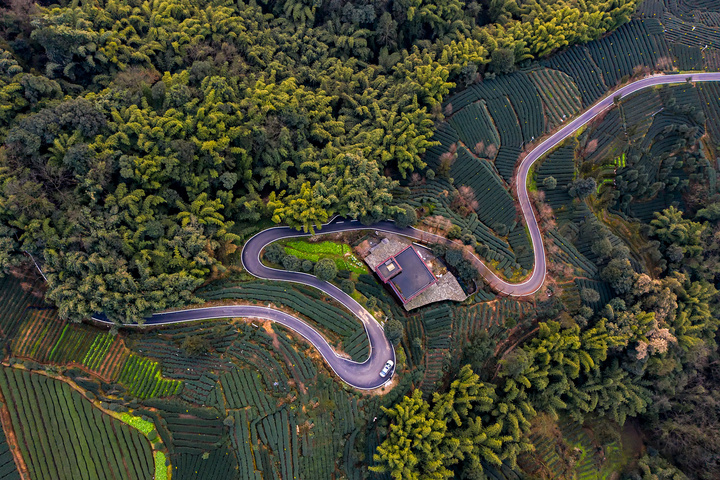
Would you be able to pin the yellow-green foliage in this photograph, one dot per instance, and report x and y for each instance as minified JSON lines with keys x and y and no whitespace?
{"x":340,"y":253}
{"x":143,"y":379}
{"x":161,"y":470}
{"x":143,"y":425}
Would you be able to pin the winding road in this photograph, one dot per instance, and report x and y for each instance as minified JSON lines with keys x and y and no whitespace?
{"x":365,"y":375}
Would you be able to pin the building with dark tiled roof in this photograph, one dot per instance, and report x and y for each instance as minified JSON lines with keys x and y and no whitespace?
{"x":406,"y":273}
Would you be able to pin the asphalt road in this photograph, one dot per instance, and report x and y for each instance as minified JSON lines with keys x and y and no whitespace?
{"x":366,"y":375}
{"x":535,"y":281}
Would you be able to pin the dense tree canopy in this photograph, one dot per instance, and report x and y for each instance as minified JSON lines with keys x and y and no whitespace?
{"x":450,"y":437}
{"x":157,"y":133}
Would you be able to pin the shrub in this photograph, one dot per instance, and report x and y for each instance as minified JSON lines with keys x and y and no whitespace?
{"x":406,"y":216}
{"x":582,"y":188}
{"x":274,"y":253}
{"x":468,"y":239}
{"x":393,"y":330}
{"x":195,"y":345}
{"x":454,"y":232}
{"x":482,"y":249}
{"x":589,"y":295}
{"x":502,"y":60}
{"x":501,"y":229}
{"x":325,"y":269}
{"x":467,"y":271}
{"x":550,"y":183}
{"x":347,"y":286}
{"x":453,"y":257}
{"x":291,"y":262}
{"x":438,"y":249}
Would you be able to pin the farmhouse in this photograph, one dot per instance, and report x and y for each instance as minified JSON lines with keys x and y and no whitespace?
{"x":415,"y":276}
{"x":406,"y":273}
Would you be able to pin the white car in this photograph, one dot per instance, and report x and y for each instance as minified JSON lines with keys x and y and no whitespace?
{"x":386,"y":369}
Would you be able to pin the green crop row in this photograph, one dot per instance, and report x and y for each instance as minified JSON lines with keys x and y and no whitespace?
{"x":271,"y":371}
{"x":433,"y":195}
{"x":327,"y":315}
{"x":263,"y":361}
{"x":470,"y":320}
{"x":638,"y":112}
{"x":438,"y":326}
{"x":143,"y":425}
{"x":302,"y":367}
{"x":214,"y":464}
{"x":495,"y":205}
{"x":318,"y":448}
{"x":710,"y":94}
{"x":161,"y":470}
{"x":194,"y":435}
{"x":98,"y":350}
{"x":200,"y":390}
{"x":571,"y":254}
{"x":278,"y":432}
{"x":39,"y":331}
{"x":62,"y":436}
{"x":357,"y":346}
{"x":72,"y":346}
{"x":143,"y":379}
{"x":350,"y":458}
{"x":474,"y":125}
{"x":559,"y":94}
{"x":14,"y":301}
{"x":243,"y":388}
{"x":637,"y":43}
{"x":578,"y":65}
{"x":346,"y":412}
{"x":241,"y":444}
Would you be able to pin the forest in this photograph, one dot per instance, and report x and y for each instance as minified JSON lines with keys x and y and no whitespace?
{"x":142,"y":141}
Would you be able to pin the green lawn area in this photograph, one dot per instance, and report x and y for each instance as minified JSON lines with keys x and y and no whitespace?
{"x":314,"y":251}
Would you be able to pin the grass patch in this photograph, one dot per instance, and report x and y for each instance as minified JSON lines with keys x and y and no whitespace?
{"x":315,"y":249}
{"x":161,"y":470}
{"x":531,"y":182}
{"x":143,"y":425}
{"x":340,"y":253}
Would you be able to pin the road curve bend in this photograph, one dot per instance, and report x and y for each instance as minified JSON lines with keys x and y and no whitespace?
{"x":365,"y":375}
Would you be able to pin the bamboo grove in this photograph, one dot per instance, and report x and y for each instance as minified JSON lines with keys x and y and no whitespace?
{"x":143,"y":139}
